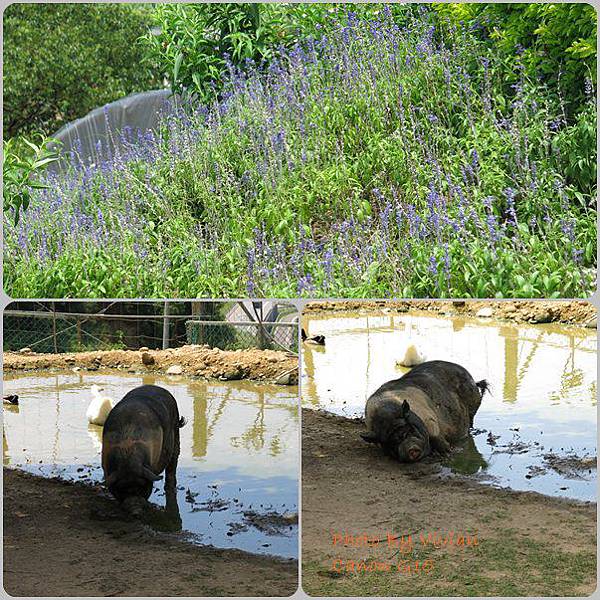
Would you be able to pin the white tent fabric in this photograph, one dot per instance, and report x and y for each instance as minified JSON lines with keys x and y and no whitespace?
{"x":94,"y":138}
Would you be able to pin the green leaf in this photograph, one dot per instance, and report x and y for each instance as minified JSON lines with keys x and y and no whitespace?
{"x":178,"y":61}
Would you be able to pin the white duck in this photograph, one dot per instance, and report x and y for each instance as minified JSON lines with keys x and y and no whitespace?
{"x":99,"y":407}
{"x":412,"y":357}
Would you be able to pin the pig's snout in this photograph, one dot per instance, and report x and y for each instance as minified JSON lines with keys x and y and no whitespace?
{"x":414,"y":454}
{"x":134,"y":505}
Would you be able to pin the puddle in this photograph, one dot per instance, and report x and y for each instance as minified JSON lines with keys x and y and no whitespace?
{"x":238,"y":468}
{"x":535,"y":431}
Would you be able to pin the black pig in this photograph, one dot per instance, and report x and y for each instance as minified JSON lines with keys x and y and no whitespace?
{"x":140,"y":440}
{"x":426,"y":410}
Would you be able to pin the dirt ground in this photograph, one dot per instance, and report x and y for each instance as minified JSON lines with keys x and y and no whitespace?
{"x":195,"y":361}
{"x":62,"y":539}
{"x":514,"y":543}
{"x":557,"y":311}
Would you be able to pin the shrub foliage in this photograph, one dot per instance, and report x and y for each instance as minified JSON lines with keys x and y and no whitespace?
{"x":63,"y":60}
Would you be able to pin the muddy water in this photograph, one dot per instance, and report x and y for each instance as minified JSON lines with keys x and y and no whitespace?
{"x":530,"y":432}
{"x":237,"y":474}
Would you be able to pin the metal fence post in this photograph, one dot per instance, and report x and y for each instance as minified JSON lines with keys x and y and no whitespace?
{"x":54,"y":327}
{"x":165,"y":336}
{"x":79,"y":338}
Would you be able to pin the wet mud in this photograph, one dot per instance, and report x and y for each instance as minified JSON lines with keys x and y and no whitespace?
{"x":68,"y":539}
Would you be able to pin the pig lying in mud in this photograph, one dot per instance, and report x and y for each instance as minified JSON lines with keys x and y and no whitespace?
{"x":139,"y":441}
{"x":426,"y":410}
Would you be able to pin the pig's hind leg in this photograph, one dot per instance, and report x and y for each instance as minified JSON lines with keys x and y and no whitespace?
{"x":471,"y":396}
{"x":172,"y":507}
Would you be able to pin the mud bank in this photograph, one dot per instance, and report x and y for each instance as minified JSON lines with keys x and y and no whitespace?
{"x":194,"y":361}
{"x":360,"y":507}
{"x":62,"y":539}
{"x":557,"y":311}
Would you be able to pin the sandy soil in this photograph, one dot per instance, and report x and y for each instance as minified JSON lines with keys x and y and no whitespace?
{"x":527,"y":544}
{"x":63,"y":539}
{"x":198,"y":361}
{"x":557,"y":311}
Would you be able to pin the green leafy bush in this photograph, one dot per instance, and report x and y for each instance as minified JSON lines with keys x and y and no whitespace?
{"x":555,"y":41}
{"x":197,"y":42}
{"x":63,"y":60}
{"x":21,"y":168}
{"x":575,"y":152}
{"x":194,"y":38}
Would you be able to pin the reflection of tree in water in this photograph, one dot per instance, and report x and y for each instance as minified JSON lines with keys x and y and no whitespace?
{"x":512,"y":373}
{"x":200,"y":425}
{"x":468,"y":460}
{"x":276,"y":448}
{"x":255,"y":435}
{"x":511,"y":361}
{"x":5,"y":455}
{"x":593,"y":393}
{"x":571,"y":379}
{"x":309,"y":387}
{"x":571,"y":376}
{"x":202,"y":430}
{"x":5,"y":451}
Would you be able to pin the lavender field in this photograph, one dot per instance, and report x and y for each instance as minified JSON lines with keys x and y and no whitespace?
{"x":377,"y":159}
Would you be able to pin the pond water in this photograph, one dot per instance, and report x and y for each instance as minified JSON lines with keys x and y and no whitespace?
{"x":535,"y":431}
{"x":238,"y":468}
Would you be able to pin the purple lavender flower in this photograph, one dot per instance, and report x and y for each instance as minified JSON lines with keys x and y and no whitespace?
{"x":305,"y":284}
{"x":491,"y":221}
{"x":509,"y":193}
{"x":433,"y":265}
{"x":328,"y":266}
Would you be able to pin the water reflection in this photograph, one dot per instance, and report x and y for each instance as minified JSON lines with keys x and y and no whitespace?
{"x":468,"y":460}
{"x":239,"y":450}
{"x":543,"y":385}
{"x":167,"y":519}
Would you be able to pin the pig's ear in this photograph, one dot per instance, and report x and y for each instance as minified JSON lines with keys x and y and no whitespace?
{"x":369,"y":437}
{"x":148,"y":474}
{"x":405,"y":408}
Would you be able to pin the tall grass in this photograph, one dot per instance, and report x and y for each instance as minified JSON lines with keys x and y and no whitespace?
{"x":379,"y":160}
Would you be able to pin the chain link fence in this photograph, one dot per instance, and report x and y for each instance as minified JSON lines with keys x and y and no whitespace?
{"x":81,"y":326}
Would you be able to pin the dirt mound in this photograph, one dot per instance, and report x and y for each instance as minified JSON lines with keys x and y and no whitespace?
{"x":100,"y":554}
{"x":520,"y":311}
{"x":195,"y":361}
